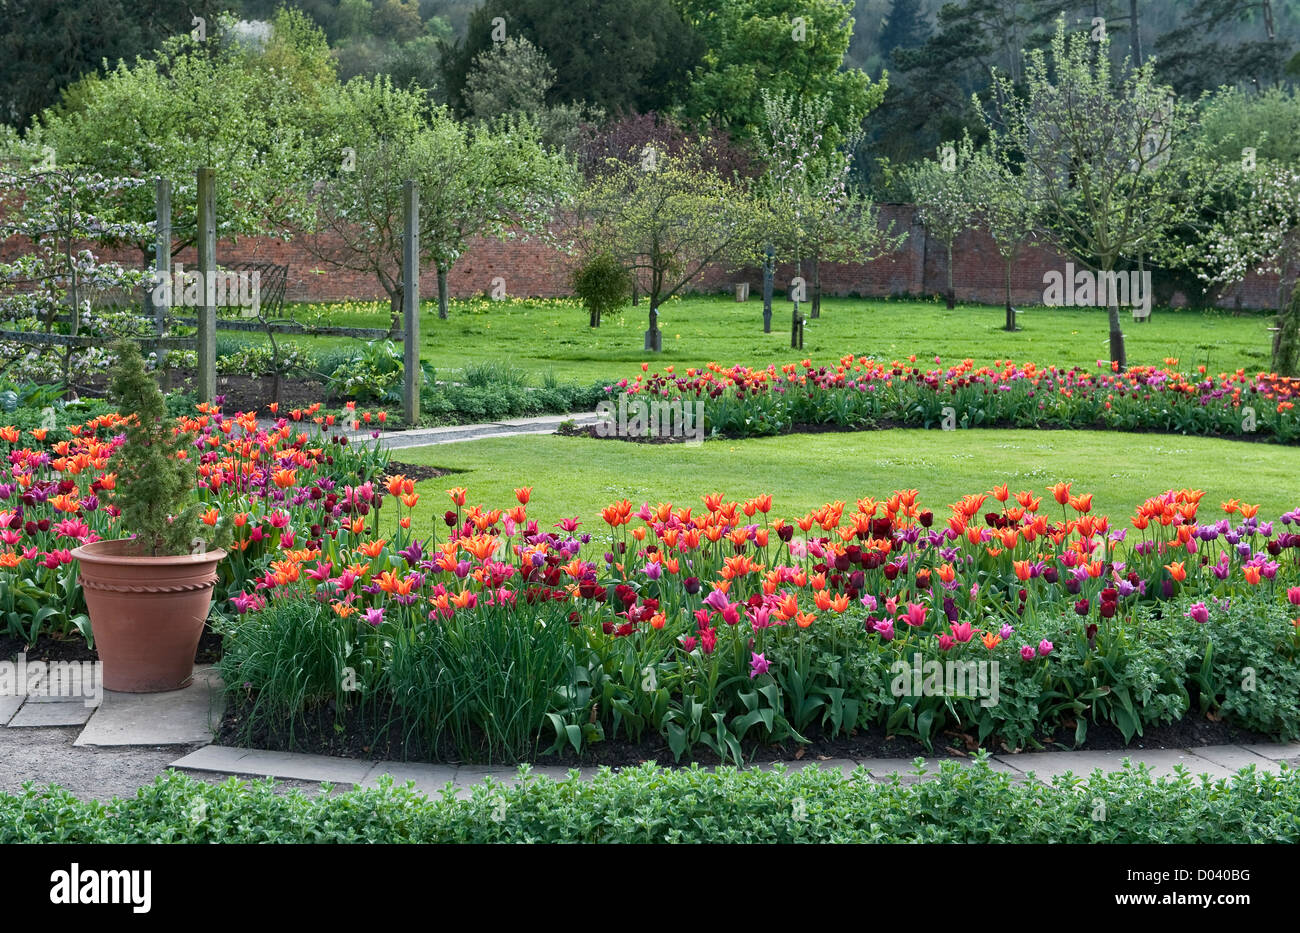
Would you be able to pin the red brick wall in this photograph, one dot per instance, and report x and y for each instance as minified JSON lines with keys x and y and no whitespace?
{"x":531,"y":268}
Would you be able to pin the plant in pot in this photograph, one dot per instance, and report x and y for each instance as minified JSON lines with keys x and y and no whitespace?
{"x":148,"y":592}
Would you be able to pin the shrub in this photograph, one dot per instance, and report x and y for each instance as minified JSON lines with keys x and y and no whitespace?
{"x":603,"y":284}
{"x":651,"y":805}
{"x":156,"y":479}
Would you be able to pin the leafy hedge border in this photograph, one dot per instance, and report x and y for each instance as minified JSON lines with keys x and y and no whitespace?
{"x":648,"y":804}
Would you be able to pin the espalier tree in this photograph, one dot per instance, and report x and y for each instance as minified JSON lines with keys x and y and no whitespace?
{"x":155,"y":479}
{"x":57,"y":284}
{"x":1106,"y":154}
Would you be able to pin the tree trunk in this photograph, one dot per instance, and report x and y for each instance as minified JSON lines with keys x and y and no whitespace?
{"x":1011,"y":311}
{"x":442,"y":293}
{"x":1286,"y":345}
{"x":595,"y":316}
{"x":1117,"y":354}
{"x":636,"y":292}
{"x":952,"y":299}
{"x":395,"y":311}
{"x":769,"y":274}
{"x":654,"y":338}
{"x":816,"y":288}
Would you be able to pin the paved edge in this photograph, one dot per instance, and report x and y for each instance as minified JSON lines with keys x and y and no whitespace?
{"x":457,"y":433}
{"x":1215,"y":761}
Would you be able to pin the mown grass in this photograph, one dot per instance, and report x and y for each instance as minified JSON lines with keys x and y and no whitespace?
{"x":579,"y":476}
{"x":552,"y":337}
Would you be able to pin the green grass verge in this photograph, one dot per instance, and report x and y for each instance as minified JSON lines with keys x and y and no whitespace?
{"x":579,"y":476}
{"x":650,"y":805}
{"x":553,"y":336}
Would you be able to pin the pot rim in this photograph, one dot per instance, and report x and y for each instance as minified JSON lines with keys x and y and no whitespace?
{"x":87,"y":553}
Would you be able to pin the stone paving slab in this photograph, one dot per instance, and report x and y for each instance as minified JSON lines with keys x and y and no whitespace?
{"x":1047,"y":765}
{"x":846,"y":766}
{"x":276,"y":764}
{"x":8,"y":706}
{"x":1287,"y":751}
{"x":71,"y":712}
{"x":1216,"y":761}
{"x":1235,"y":757}
{"x":429,"y":779}
{"x":179,"y":717}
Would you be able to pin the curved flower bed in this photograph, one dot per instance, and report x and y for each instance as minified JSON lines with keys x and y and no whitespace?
{"x":861,"y":392}
{"x":1006,"y":617}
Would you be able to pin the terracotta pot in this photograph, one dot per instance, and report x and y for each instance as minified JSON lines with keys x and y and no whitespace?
{"x":147,"y":613}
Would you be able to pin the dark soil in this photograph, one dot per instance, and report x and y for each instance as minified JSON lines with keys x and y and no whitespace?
{"x":888,"y":425}
{"x":414,"y":471}
{"x":254,"y":393}
{"x":380,"y":737}
{"x":589,"y":430}
{"x":73,"y":648}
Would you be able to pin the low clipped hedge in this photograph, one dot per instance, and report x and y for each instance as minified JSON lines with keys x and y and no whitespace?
{"x":649,"y":804}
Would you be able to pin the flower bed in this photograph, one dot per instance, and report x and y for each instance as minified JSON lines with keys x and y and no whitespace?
{"x":718,"y":626}
{"x":1004,"y":619}
{"x":860,"y":392}
{"x":56,"y":492}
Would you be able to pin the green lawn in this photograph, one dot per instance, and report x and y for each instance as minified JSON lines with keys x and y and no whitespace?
{"x":577,"y":476}
{"x":552,"y":336}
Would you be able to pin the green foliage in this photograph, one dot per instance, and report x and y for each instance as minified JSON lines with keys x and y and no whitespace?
{"x":296,"y":653}
{"x":666,"y":218}
{"x":490,"y":181}
{"x":184,"y":102}
{"x":793,"y":48}
{"x":155,"y":480}
{"x":257,"y":359}
{"x":602,"y":283}
{"x":646,"y":804}
{"x":637,"y":65}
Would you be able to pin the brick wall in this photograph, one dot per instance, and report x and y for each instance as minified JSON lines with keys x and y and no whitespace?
{"x":531,"y":268}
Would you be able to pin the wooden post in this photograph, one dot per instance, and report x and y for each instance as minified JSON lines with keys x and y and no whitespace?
{"x":411,"y":302}
{"x":163,"y":261}
{"x":207,"y":313}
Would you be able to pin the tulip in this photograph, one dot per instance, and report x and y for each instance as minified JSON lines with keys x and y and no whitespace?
{"x":1027,"y":653}
{"x":757,"y":665}
{"x":1045,"y":647}
{"x":1199,"y":613}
